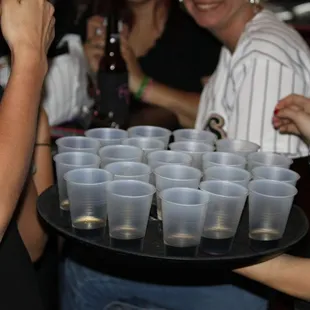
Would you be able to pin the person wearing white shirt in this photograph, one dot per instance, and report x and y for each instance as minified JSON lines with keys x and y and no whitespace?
{"x":65,"y":94}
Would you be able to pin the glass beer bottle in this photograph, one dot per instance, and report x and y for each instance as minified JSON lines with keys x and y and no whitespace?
{"x":112,"y":80}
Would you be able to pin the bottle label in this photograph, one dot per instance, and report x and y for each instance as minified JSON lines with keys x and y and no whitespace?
{"x":113,"y":99}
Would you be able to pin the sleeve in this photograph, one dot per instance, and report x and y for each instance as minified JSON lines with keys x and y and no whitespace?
{"x":261,"y":84}
{"x":66,"y":93}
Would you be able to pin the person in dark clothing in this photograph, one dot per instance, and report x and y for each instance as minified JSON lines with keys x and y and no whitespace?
{"x":28,"y":28}
{"x":170,"y":48}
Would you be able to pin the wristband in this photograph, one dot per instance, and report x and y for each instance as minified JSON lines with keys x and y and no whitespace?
{"x":146,"y":91}
{"x":146,"y":80}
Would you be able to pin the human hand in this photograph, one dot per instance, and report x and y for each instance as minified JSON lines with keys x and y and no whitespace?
{"x":134,"y":69}
{"x":28,"y":28}
{"x":292,"y":116}
{"x":95,"y":43}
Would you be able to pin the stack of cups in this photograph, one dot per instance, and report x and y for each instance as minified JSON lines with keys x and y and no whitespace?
{"x":158,"y":133}
{"x":175,"y":176}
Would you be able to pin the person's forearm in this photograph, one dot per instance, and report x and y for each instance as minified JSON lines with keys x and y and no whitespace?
{"x":18,"y":116}
{"x":154,"y":116}
{"x":288,"y":274}
{"x":183,"y":104}
{"x":29,"y":226}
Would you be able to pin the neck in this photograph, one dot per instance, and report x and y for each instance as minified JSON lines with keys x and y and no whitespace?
{"x":230,"y":33}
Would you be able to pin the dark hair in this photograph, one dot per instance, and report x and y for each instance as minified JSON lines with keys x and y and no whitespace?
{"x":103,"y":7}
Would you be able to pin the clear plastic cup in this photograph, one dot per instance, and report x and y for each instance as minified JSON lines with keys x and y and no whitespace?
{"x":87,"y":196}
{"x":276,"y":174}
{"x":66,"y":162}
{"x":129,"y":205}
{"x":117,"y":153}
{"x":224,"y":211}
{"x":148,"y":145}
{"x":268,"y":159}
{"x":107,"y":136}
{"x":184,"y":213}
{"x":169,"y":176}
{"x":222,"y":159}
{"x":77,"y":144}
{"x":129,"y":171}
{"x":227,"y":173}
{"x":194,"y":149}
{"x":240,"y":147}
{"x":194,"y":135}
{"x":159,"y":133}
{"x":270,"y":203}
{"x":159,"y":158}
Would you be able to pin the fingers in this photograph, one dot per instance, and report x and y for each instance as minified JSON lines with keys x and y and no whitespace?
{"x":296,"y":100}
{"x":95,"y":27}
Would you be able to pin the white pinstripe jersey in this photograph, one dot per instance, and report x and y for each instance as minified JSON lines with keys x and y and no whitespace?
{"x":270,"y":61}
{"x":65,"y":85}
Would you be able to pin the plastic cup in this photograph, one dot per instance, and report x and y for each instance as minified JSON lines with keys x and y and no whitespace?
{"x":77,"y":144}
{"x":225,"y":208}
{"x":129,"y":205}
{"x":148,"y":145}
{"x":117,"y":153}
{"x":276,"y":174}
{"x":159,"y":133}
{"x":268,"y":159}
{"x":169,"y":176}
{"x":159,"y":158}
{"x":240,"y":147}
{"x":194,"y":135}
{"x":129,"y":171}
{"x":107,"y":136}
{"x":87,"y":196}
{"x":222,"y":159}
{"x":66,"y":162}
{"x":270,"y":203}
{"x":194,"y":149}
{"x":184,"y":213}
{"x":230,"y":174}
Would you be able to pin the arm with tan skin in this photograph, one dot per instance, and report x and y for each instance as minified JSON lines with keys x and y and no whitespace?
{"x":28,"y":27}
{"x":29,"y":225}
{"x":165,"y":102}
{"x":288,"y":274}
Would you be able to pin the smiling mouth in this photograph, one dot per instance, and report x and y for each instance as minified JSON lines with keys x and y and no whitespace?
{"x":207,"y":6}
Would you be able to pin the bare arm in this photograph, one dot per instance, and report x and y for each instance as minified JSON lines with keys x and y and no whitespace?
{"x":288,"y":274}
{"x":28,"y":27}
{"x":29,"y":226}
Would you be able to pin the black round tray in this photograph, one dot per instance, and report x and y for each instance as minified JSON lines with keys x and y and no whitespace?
{"x":153,"y":249}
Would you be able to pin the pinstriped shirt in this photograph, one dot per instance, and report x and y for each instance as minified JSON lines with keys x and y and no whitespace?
{"x":270,"y":61}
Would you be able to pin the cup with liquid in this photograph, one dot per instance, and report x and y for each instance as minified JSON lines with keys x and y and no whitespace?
{"x":212,"y":159}
{"x":240,"y":147}
{"x":129,"y":205}
{"x":225,"y":207}
{"x":66,"y":162}
{"x":88,"y":198}
{"x":127,"y":170}
{"x":169,"y":176}
{"x":184,"y":213}
{"x":107,"y":136}
{"x":270,"y":204}
{"x":118,"y":153}
{"x":158,"y":133}
{"x":227,"y":173}
{"x":77,"y":144}
{"x":194,"y":149}
{"x":201,"y":136}
{"x":268,"y":159}
{"x":276,"y":174}
{"x":147,"y":145}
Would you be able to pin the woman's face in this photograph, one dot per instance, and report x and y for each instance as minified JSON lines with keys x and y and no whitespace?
{"x":215,"y":14}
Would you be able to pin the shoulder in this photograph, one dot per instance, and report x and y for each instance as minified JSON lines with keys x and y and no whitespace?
{"x":267,"y":38}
